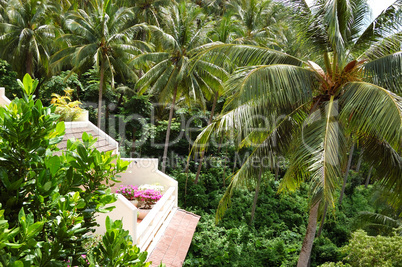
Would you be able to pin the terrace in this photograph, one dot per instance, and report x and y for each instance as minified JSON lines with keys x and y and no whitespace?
{"x":166,"y":231}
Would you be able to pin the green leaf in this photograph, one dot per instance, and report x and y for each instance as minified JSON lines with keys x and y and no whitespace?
{"x":28,"y":84}
{"x":34,"y":229}
{"x":53,"y":164}
{"x":17,"y":264}
{"x":56,"y":140}
{"x":60,"y":127}
{"x":47,"y":186}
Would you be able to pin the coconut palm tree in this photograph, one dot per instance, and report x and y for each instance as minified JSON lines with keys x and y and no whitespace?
{"x":148,"y":10}
{"x":171,"y":75}
{"x":100,"y":37}
{"x":308,"y":110}
{"x":260,"y":21}
{"x":25,"y":35}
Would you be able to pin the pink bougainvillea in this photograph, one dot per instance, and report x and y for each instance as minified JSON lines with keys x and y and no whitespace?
{"x":128,"y":191}
{"x":148,"y":196}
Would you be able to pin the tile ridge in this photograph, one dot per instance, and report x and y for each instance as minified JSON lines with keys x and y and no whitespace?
{"x":189,"y":213}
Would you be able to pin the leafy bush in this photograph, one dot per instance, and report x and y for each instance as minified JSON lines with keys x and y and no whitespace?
{"x":274,"y":239}
{"x":56,"y":85}
{"x":364,"y":250}
{"x":333,"y":264}
{"x":56,"y":195}
{"x":67,"y":109}
{"x":115,"y":249}
{"x":8,"y":79}
{"x":324,"y":250}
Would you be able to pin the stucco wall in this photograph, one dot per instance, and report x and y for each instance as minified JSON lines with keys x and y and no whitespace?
{"x":3,"y":99}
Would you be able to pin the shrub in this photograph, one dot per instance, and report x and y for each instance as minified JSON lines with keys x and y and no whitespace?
{"x":364,"y":250}
{"x":67,"y":109}
{"x":49,"y":201}
{"x":115,"y":249}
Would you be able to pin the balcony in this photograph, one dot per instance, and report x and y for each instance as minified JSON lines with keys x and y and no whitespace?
{"x":144,"y":232}
{"x":166,"y":232}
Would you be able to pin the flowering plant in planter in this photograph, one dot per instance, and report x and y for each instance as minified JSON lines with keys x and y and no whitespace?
{"x":148,"y":197}
{"x":128,"y":191}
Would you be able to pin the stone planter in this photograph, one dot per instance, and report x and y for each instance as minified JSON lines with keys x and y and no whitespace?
{"x":134,"y":202}
{"x":142,"y":213}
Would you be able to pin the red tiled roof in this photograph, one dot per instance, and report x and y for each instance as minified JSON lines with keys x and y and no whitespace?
{"x":173,"y":246}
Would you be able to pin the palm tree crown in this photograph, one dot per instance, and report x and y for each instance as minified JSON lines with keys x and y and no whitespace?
{"x":25,"y":34}
{"x":350,"y":91}
{"x":101,"y":37}
{"x":171,"y":74}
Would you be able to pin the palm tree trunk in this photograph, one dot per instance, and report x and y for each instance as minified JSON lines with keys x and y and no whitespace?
{"x":322,"y":220}
{"x":309,"y":238}
{"x":257,"y":190}
{"x":164,"y":159}
{"x":102,"y":77}
{"x":346,"y":173}
{"x":359,"y":162}
{"x":203,"y":152}
{"x":368,"y":177}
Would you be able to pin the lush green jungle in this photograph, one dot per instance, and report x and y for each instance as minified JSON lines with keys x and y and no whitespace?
{"x":280,"y":120}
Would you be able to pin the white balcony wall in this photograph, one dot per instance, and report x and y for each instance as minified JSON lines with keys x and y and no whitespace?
{"x":124,"y":211}
{"x":145,"y":171}
{"x":142,"y":171}
{"x":3,"y":99}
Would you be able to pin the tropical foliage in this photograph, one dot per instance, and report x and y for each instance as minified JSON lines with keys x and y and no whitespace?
{"x":102,"y":38}
{"x":299,"y":90}
{"x":48,"y":202}
{"x":324,"y":109}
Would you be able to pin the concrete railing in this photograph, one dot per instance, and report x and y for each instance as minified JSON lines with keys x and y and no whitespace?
{"x":142,"y":171}
{"x":143,"y":233}
{"x":3,"y":99}
{"x":124,"y":210}
{"x":87,"y":124}
{"x":148,"y":228}
{"x":145,"y":171}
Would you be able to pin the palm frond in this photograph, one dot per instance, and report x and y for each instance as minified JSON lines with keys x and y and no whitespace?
{"x":319,"y":156}
{"x":386,"y":46}
{"x":282,"y":86}
{"x":388,"y":164}
{"x":243,"y":55}
{"x":152,"y":75}
{"x":377,"y":220}
{"x":165,"y":85}
{"x":143,"y":59}
{"x":270,"y":142}
{"x":371,"y":109}
{"x":387,"y":23}
{"x":386,"y":71}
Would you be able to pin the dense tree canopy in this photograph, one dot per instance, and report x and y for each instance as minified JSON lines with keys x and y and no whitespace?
{"x":284,"y":86}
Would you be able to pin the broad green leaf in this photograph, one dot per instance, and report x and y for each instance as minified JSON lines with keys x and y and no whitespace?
{"x":60,"y":127}
{"x":53,"y":164}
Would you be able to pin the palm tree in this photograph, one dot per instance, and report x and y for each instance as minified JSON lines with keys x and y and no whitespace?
{"x":148,"y":11}
{"x":309,"y":110}
{"x":100,"y":37}
{"x":171,"y":75}
{"x":25,"y":35}
{"x":261,"y":22}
